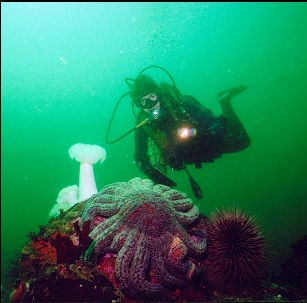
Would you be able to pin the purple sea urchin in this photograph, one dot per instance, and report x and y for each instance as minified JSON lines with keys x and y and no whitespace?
{"x":235,"y":246}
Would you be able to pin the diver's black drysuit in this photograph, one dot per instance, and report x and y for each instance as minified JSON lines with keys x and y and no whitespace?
{"x":215,"y":135}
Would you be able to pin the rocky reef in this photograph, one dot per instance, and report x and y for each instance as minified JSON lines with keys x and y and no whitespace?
{"x":136,"y":241}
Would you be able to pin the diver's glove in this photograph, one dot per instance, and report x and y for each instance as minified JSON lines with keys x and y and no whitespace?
{"x":169,"y":155}
{"x":156,"y":176}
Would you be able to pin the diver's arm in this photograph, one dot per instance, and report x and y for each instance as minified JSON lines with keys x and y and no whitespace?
{"x":142,"y":160}
{"x":140,"y":146}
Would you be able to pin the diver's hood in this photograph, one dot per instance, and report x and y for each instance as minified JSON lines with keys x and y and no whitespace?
{"x":142,"y":86}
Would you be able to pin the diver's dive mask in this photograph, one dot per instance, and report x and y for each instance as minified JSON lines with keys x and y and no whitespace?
{"x":147,"y":102}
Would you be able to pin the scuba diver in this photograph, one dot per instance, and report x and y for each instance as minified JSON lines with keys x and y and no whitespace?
{"x":176,"y":130}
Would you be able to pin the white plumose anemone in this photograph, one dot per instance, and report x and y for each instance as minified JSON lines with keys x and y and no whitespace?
{"x":67,"y":197}
{"x":87,"y":155}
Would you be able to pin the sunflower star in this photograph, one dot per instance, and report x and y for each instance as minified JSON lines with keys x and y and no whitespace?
{"x":152,"y":230}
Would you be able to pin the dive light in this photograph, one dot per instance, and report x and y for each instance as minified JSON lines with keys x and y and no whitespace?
{"x":186,"y":132}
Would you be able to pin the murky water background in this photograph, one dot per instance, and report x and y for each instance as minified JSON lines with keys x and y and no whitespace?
{"x":63,"y":67}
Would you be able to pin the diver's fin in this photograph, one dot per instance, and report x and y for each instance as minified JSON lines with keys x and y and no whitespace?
{"x":231,"y":92}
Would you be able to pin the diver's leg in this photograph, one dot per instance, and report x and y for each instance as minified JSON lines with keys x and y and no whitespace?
{"x":236,"y":138}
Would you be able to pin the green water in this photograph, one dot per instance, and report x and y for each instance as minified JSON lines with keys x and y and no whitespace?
{"x":63,"y":67}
